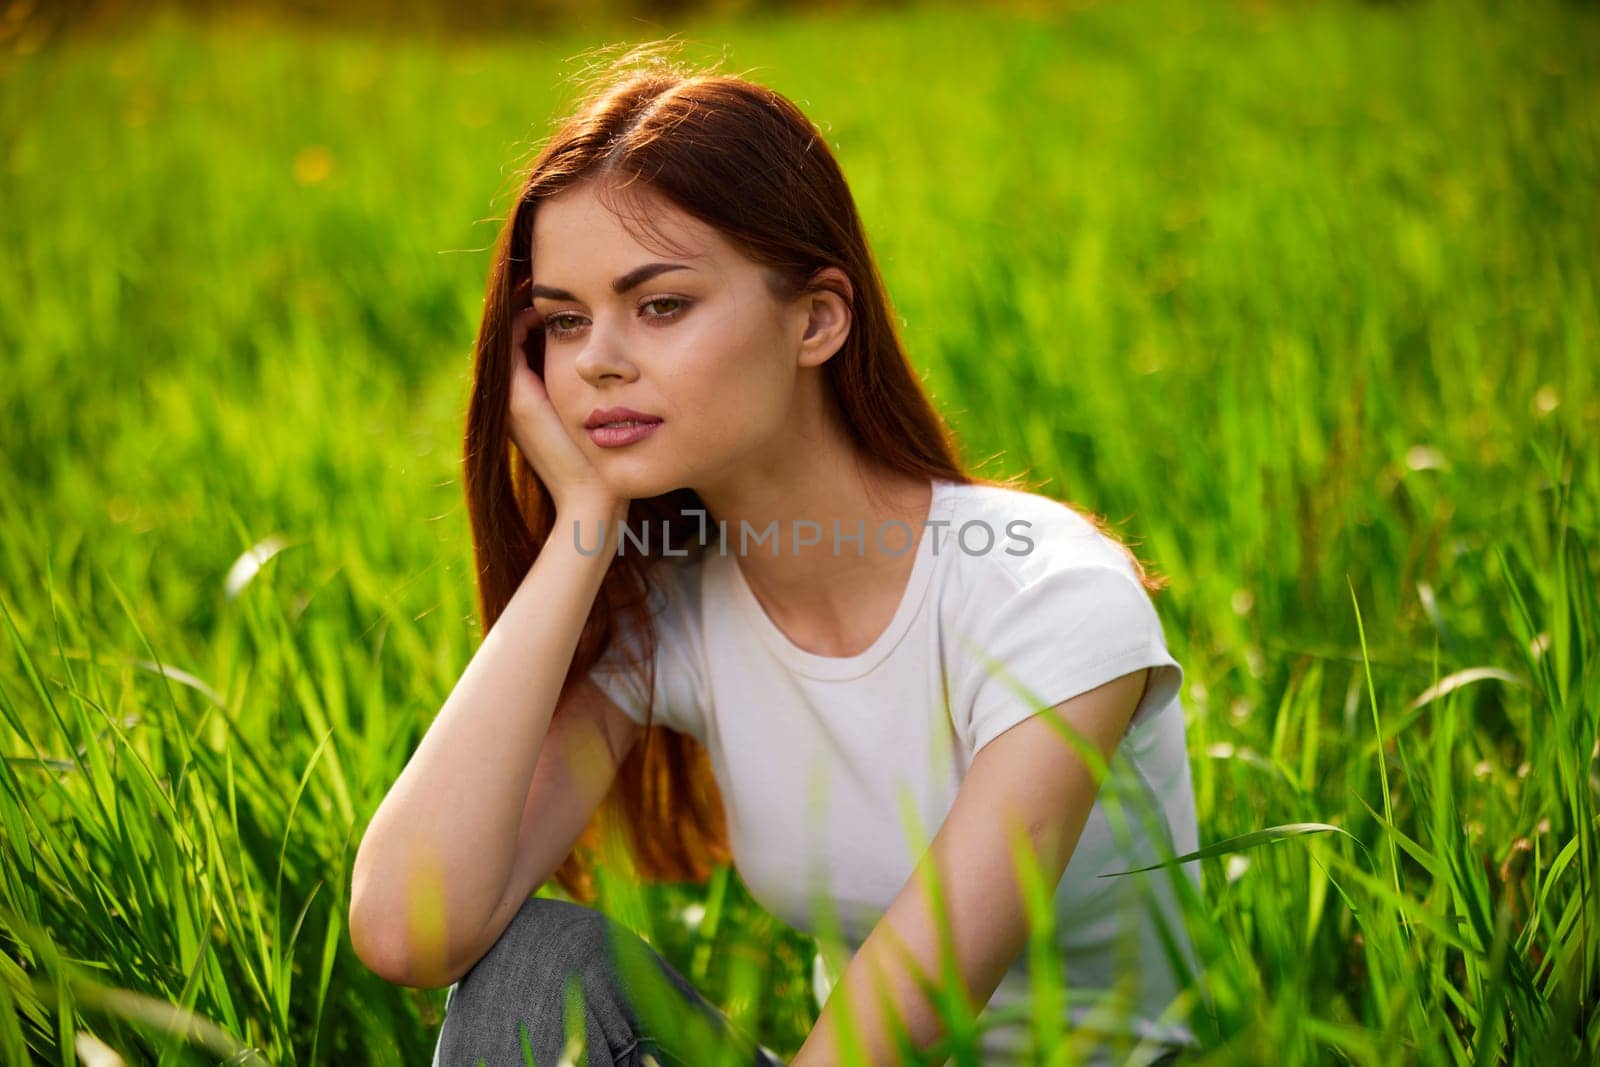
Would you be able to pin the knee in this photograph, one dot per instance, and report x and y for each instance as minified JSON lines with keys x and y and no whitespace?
{"x":521,"y":983}
{"x":545,"y":942}
{"x":545,"y":923}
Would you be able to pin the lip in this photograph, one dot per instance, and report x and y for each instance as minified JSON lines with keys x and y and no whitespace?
{"x":617,"y":436}
{"x":601,"y":416}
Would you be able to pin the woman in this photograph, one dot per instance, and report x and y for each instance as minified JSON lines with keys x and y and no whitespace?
{"x":733,"y":559}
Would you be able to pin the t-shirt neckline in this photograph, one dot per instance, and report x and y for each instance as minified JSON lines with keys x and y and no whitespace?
{"x":839,"y":668}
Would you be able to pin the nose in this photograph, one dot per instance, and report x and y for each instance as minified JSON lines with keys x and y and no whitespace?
{"x":602,"y":357}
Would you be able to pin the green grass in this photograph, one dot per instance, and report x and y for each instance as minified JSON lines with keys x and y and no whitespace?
{"x":1302,"y":297}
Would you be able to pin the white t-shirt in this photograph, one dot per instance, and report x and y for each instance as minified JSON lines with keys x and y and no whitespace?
{"x":822,"y":760}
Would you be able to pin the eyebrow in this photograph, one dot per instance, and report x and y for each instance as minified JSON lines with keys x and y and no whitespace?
{"x":635,"y":277}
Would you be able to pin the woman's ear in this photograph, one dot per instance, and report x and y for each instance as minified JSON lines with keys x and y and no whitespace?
{"x":829,"y":310}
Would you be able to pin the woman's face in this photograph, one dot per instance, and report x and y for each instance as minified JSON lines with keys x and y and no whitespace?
{"x":696,"y":340}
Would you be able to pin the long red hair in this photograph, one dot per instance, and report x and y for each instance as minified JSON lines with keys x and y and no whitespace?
{"x":745,"y":160}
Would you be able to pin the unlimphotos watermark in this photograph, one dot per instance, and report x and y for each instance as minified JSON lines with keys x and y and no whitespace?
{"x":974,"y":537}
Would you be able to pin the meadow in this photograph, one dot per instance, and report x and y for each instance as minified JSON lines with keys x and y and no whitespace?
{"x":1302,"y":298}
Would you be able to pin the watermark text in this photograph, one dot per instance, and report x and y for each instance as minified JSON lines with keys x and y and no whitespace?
{"x":974,"y":537}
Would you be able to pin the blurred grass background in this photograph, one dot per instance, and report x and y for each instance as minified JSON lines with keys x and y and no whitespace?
{"x":1301,"y":296}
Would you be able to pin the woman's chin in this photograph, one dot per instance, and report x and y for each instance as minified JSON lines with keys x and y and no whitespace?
{"x":636,"y":485}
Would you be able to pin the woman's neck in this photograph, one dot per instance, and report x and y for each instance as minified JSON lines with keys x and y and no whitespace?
{"x":831,"y":595}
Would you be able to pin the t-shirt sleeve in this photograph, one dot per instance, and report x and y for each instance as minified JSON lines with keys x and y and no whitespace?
{"x":1065,"y":632}
{"x":680,"y":690}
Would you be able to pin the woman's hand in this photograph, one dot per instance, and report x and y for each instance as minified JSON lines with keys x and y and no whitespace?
{"x":537,"y":429}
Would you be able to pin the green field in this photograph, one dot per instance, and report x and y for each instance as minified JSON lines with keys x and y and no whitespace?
{"x":1303,"y":298}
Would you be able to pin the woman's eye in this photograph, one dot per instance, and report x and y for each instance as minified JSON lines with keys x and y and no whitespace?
{"x":553,"y":324}
{"x":677,"y":301}
{"x":550,"y":326}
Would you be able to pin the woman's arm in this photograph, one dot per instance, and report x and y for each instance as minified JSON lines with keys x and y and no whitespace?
{"x":1030,"y":784}
{"x":437,"y":858}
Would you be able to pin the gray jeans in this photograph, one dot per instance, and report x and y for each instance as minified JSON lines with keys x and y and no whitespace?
{"x":637,"y":1010}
